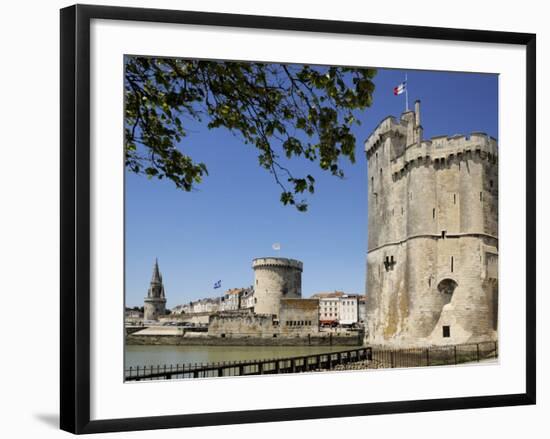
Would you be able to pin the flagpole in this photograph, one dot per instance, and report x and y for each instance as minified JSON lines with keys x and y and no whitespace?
{"x":406,"y":94}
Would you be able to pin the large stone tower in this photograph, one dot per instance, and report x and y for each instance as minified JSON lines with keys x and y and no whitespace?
{"x":155,"y":302}
{"x":432,"y":263}
{"x":275,"y":279}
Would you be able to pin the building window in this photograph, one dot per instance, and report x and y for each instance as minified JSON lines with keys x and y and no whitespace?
{"x":481,"y":196}
{"x":452,"y":263}
{"x":446,"y":331}
{"x":454,"y":198}
{"x":443,"y":234}
{"x":433,"y":213}
{"x":491,"y":183}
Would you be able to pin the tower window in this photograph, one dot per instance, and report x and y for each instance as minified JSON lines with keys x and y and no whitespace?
{"x":446,"y":331}
{"x":372,"y":184}
{"x":454,"y":198}
{"x":481,"y":196}
{"x":452,"y":263}
{"x":491,"y":183}
{"x":433,"y":213}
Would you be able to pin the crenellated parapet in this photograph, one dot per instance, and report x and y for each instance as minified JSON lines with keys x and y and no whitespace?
{"x":389,"y":127}
{"x":277,"y":262}
{"x":441,"y":151}
{"x":402,"y":133}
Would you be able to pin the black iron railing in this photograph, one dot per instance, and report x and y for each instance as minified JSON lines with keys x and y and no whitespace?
{"x":251,"y":367}
{"x":358,"y":358}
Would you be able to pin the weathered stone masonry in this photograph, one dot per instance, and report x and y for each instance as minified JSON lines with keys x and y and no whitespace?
{"x":275,"y":279}
{"x":432,"y":263}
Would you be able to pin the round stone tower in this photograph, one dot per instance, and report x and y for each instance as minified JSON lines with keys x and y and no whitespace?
{"x":275,"y":279}
{"x":155,"y":303}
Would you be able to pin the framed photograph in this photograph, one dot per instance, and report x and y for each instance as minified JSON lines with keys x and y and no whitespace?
{"x":274,"y":218}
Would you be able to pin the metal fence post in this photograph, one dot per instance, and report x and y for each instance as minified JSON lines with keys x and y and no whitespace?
{"x":477,"y":352}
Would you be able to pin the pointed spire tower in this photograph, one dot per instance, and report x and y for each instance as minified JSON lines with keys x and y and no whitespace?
{"x":155,"y":302}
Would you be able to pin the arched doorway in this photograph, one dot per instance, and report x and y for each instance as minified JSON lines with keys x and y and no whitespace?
{"x":447,"y":287}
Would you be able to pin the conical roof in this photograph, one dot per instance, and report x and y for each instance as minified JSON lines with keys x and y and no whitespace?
{"x":157,"y":278}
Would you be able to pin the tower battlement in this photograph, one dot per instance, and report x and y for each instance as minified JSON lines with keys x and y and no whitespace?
{"x":443,"y":151}
{"x":277,"y":262}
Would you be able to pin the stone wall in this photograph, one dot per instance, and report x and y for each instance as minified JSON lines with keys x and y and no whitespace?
{"x":153,"y":308}
{"x":241,"y":325}
{"x":303,"y":340}
{"x":299,"y":316}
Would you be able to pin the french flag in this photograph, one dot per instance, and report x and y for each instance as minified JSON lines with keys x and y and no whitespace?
{"x":399,"y":89}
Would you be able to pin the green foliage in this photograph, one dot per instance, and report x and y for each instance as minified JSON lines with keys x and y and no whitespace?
{"x":282,"y":110}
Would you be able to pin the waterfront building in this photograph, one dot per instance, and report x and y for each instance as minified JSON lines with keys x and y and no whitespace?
{"x":247,"y":299}
{"x":337,"y":308}
{"x":231,"y":300}
{"x":347,"y":310}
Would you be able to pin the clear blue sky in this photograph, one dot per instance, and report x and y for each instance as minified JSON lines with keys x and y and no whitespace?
{"x":235,"y":215}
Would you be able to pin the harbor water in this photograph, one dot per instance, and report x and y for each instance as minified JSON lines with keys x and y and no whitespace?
{"x":153,"y":355}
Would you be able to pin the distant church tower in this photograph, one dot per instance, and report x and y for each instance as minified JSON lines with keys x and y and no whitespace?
{"x":155,"y":302}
